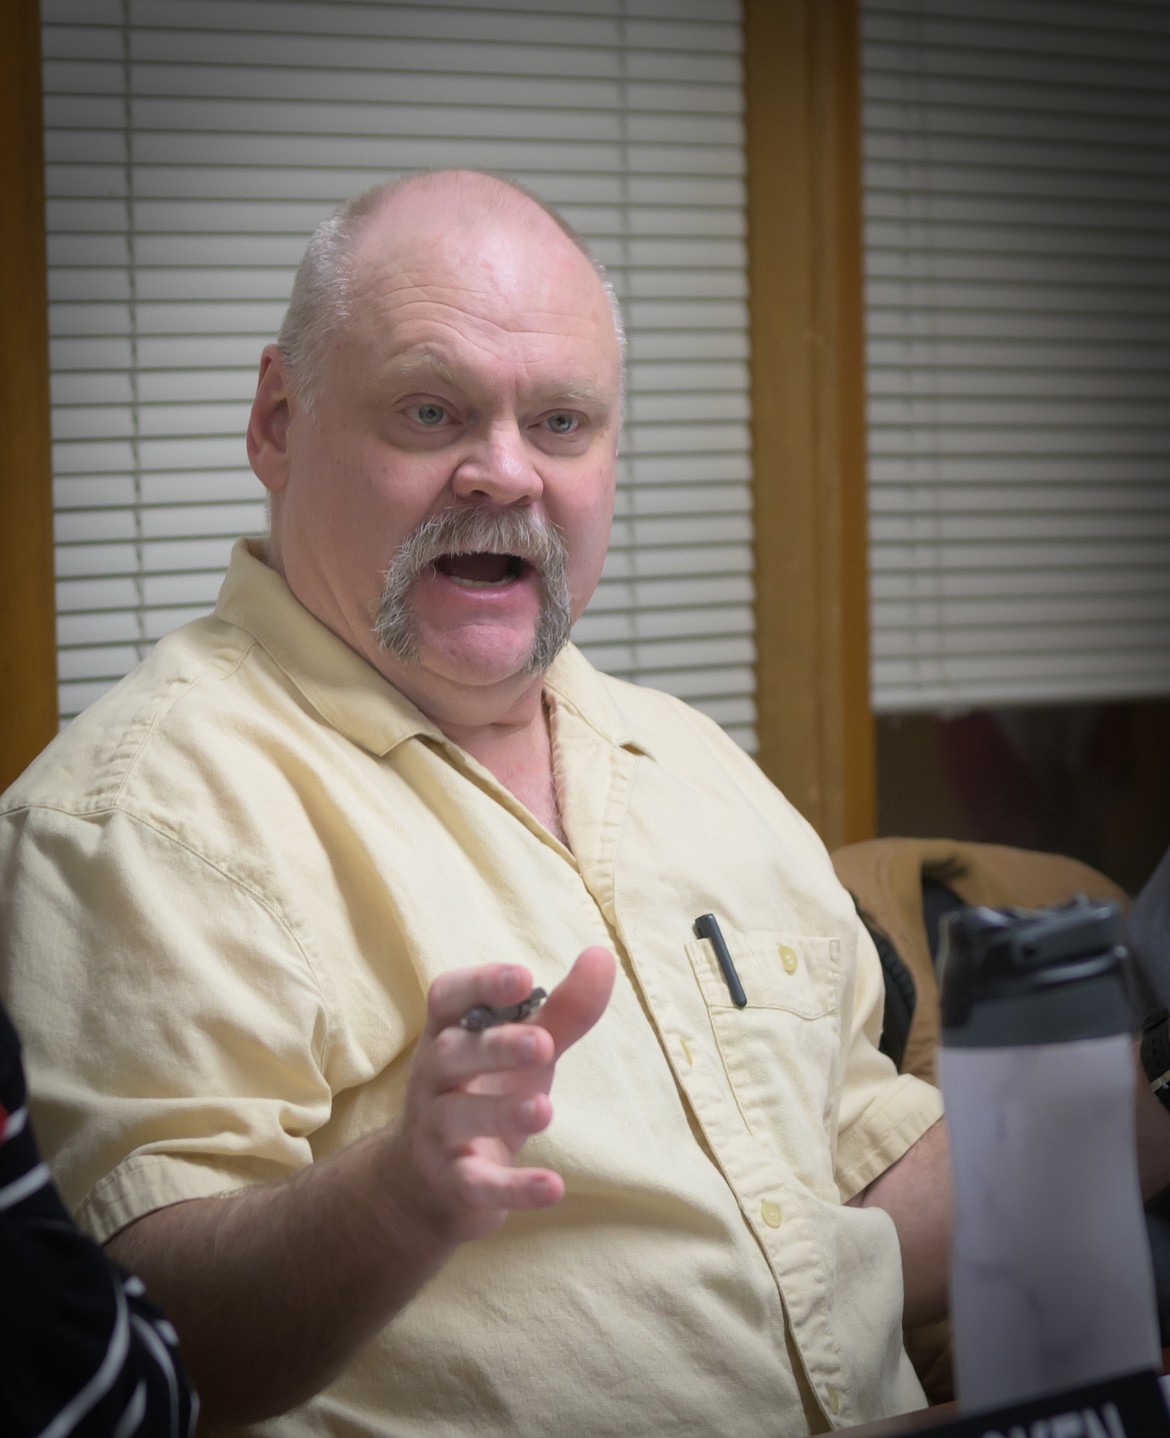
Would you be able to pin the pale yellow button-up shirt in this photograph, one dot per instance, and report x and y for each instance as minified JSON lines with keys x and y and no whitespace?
{"x":226,"y":890}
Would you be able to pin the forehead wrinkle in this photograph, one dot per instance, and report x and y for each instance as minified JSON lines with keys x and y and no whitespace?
{"x":468,"y":310}
{"x":493,"y":292}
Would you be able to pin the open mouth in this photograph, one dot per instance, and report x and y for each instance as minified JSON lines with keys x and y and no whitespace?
{"x":482,"y":571}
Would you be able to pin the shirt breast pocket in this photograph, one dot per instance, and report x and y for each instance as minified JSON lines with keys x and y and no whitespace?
{"x":782,"y":1053}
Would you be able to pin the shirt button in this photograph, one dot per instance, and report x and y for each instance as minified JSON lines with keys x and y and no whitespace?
{"x":788,"y":959}
{"x":771,"y":1213}
{"x":834,"y":1400}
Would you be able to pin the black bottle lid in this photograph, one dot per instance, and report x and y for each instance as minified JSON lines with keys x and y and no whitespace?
{"x":1010,"y":977}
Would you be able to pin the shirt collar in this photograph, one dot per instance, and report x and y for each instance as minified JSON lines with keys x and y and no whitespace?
{"x":350,"y":694}
{"x":574,"y":682}
{"x":341,"y":686}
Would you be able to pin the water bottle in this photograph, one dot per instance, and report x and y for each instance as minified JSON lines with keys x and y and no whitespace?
{"x":1051,"y":1283}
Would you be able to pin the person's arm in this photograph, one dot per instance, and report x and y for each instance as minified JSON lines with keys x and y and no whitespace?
{"x":273,"y":1290}
{"x":85,"y":1352}
{"x":916,"y":1193}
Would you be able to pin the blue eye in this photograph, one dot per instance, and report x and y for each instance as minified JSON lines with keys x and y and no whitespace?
{"x":430,"y":414}
{"x":562,"y":423}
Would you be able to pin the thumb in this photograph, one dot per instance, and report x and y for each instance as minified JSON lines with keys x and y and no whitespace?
{"x":579,"y":1000}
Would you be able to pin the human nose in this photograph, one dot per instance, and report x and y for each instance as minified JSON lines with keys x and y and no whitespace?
{"x":498,"y":470}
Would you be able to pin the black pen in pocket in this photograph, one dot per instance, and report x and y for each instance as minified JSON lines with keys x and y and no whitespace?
{"x":707,"y":927}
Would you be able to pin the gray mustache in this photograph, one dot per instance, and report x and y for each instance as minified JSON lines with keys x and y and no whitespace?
{"x":480,"y":531}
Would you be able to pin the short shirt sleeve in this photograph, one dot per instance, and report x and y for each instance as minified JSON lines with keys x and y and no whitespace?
{"x":882,"y":1113}
{"x":174,"y":1030}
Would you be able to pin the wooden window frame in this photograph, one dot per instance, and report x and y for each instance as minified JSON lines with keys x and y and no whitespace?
{"x":815,"y":725}
{"x":28,"y":650}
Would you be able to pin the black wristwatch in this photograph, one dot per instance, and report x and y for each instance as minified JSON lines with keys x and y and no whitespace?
{"x":1156,"y":1054}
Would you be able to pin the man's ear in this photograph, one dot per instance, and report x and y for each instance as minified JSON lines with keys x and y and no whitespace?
{"x":268,"y":424}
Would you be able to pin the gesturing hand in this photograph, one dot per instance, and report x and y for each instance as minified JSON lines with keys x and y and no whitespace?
{"x":473,"y":1098}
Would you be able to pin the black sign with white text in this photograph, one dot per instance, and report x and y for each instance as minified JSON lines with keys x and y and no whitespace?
{"x":1131,"y":1406}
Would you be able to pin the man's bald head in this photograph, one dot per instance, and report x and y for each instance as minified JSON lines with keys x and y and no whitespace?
{"x":327,"y":280}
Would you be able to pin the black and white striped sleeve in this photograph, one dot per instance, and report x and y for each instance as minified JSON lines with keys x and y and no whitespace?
{"x":83,"y":1351}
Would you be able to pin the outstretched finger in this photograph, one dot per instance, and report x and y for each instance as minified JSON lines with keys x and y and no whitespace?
{"x":453,"y":1056}
{"x":487,"y":1185}
{"x":459,"y":1118}
{"x":579,"y":1000}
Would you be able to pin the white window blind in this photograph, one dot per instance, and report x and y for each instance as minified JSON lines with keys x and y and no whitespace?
{"x":191,"y":147}
{"x":1017,"y":234}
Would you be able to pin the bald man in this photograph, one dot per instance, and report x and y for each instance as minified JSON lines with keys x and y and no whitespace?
{"x":252,"y":892}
